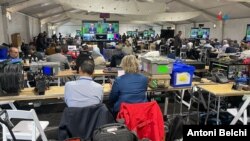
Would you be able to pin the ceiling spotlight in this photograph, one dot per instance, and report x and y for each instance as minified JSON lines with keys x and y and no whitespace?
{"x":8,"y":15}
{"x":146,"y":0}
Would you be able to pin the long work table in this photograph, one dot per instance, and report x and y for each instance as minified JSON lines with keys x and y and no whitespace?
{"x":53,"y":92}
{"x":225,"y":90}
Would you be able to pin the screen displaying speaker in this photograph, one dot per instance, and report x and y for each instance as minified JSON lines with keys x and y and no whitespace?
{"x":200,"y":33}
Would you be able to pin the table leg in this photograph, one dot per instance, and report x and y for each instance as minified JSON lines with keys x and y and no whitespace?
{"x":103,"y":79}
{"x":182,"y":96}
{"x":245,"y":117}
{"x":242,"y":109}
{"x":12,"y":106}
{"x":218,"y":111}
{"x":166,"y":106}
{"x":198,"y":108}
{"x":208,"y":105}
{"x":59,"y":81}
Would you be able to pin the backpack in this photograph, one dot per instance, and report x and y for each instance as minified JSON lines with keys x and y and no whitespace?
{"x":175,"y":129}
{"x":114,"y":132}
{"x":11,"y":78}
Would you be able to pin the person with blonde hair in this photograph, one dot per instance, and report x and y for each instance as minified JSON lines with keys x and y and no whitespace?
{"x":130,"y":87}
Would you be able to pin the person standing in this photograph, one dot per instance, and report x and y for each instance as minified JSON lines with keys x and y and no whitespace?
{"x":178,"y":43}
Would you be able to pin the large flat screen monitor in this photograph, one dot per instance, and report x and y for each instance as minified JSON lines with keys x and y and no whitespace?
{"x":132,"y":33}
{"x":92,"y":29}
{"x":100,"y":27}
{"x":88,"y":37}
{"x":101,"y":37}
{"x":248,"y":33}
{"x":200,"y":33}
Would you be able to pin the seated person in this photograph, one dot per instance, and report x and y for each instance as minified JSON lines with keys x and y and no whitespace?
{"x":231,"y":49}
{"x":13,"y":53}
{"x":51,"y":49}
{"x":83,"y":92}
{"x":98,"y":59}
{"x":130,"y":87}
{"x":34,"y":54}
{"x":208,"y":45}
{"x":127,"y":49}
{"x":245,"y":53}
{"x":59,"y":57}
{"x":84,"y":55}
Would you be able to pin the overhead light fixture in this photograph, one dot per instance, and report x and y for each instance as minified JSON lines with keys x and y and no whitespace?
{"x":146,"y":0}
{"x":8,"y":15}
{"x":45,"y":4}
{"x":215,"y":25}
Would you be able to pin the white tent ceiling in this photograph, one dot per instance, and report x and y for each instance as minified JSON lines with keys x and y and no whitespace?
{"x":133,"y":11}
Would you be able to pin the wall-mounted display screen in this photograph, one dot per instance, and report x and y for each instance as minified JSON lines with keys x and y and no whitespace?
{"x":248,"y":33}
{"x":132,"y":33}
{"x":200,"y":33}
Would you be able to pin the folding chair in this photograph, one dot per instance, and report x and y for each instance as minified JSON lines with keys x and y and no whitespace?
{"x":25,"y":129}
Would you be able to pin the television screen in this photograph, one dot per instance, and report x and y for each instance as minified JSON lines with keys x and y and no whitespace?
{"x":200,"y":33}
{"x":47,"y":70}
{"x":100,"y":27}
{"x":167,"y":33}
{"x":88,"y":37}
{"x":248,"y":33}
{"x":132,"y":33}
{"x":151,"y":33}
{"x":101,"y":36}
{"x":91,"y":28}
{"x":110,"y":37}
{"x":145,"y":33}
{"x":194,"y":32}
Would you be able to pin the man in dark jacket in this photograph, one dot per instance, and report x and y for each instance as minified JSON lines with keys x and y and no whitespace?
{"x":178,"y":43}
{"x":40,"y":43}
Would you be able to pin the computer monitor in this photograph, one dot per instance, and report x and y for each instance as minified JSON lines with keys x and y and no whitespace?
{"x":248,"y":33}
{"x":47,"y":70}
{"x":110,"y":37}
{"x":71,"y":48}
{"x":101,"y":36}
{"x":88,"y":37}
{"x":3,"y":52}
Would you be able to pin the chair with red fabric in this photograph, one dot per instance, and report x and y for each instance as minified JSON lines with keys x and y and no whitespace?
{"x":145,"y":119}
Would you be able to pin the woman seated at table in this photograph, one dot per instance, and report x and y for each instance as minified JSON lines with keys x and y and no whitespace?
{"x":130,"y":87}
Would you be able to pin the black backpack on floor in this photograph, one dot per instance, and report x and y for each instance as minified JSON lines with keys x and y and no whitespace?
{"x":114,"y":132}
{"x":175,"y":128}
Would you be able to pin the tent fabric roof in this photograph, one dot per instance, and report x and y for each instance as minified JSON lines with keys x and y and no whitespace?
{"x":56,"y":11}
